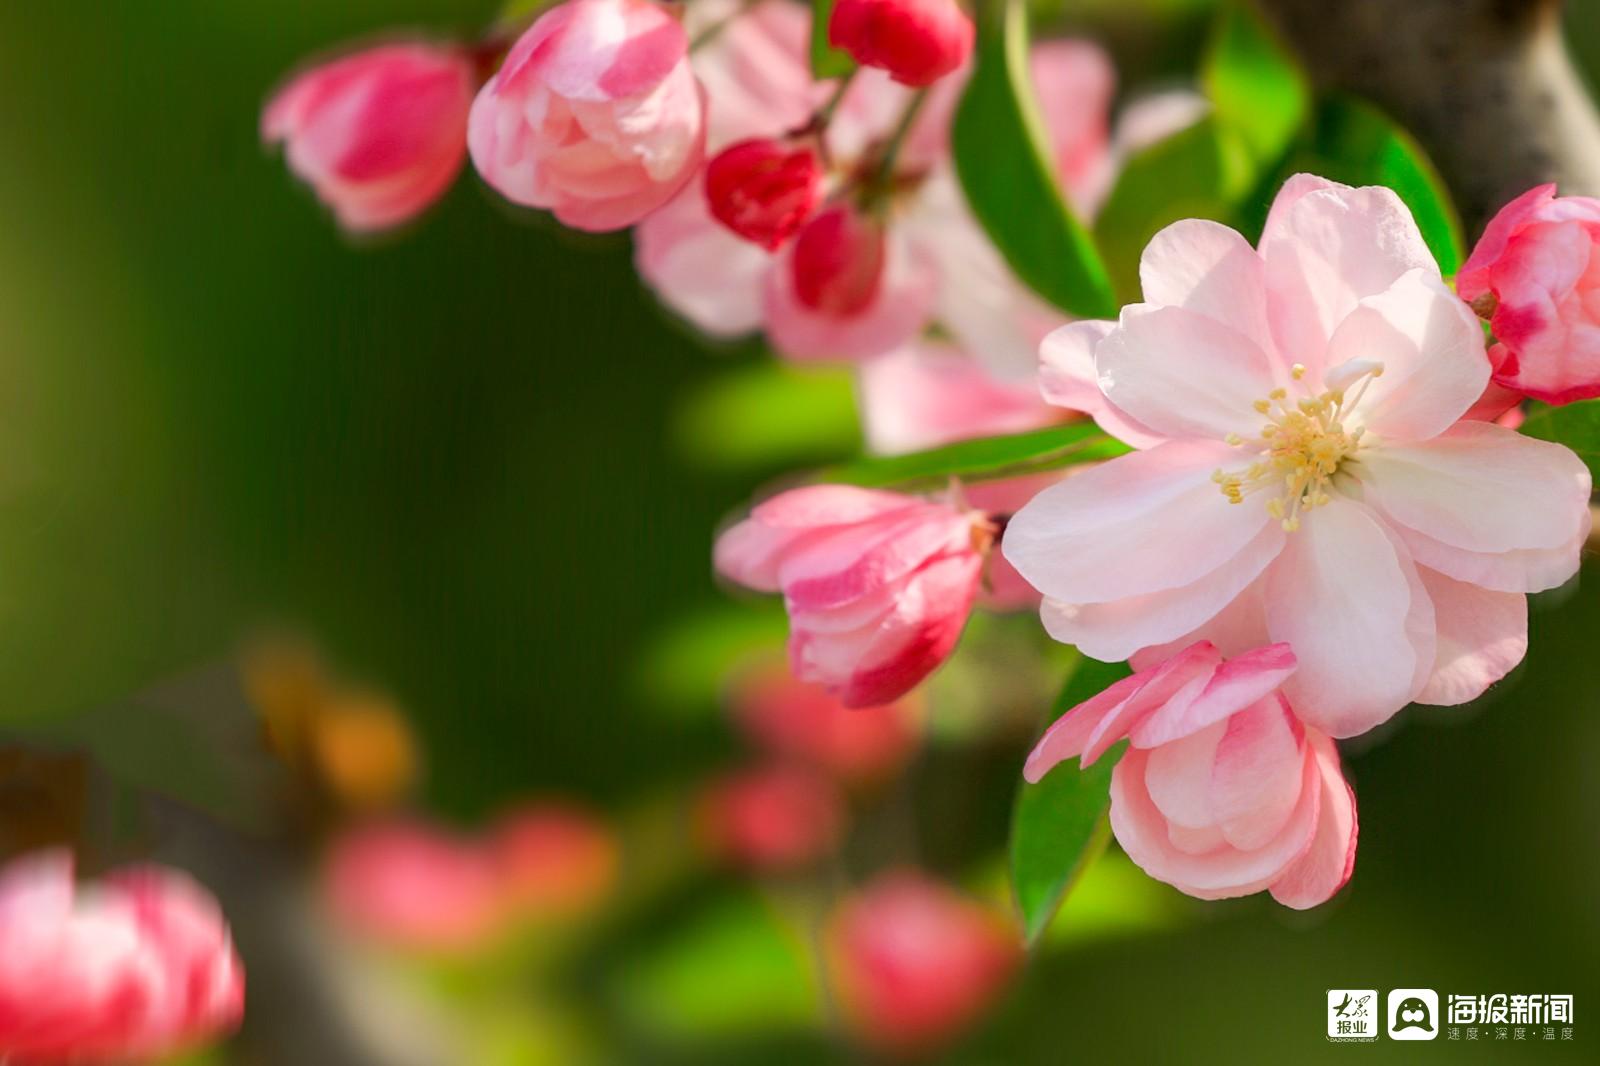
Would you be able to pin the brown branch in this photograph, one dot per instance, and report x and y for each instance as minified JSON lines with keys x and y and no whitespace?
{"x":1487,"y":86}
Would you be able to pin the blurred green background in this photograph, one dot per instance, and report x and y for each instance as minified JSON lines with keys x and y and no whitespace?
{"x":454,"y":458}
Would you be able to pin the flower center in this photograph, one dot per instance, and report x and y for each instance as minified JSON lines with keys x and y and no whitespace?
{"x":1300,"y":448}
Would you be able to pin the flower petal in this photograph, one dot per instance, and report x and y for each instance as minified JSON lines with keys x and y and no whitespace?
{"x":1138,"y":523}
{"x":1432,"y":351}
{"x":1480,"y":487}
{"x":1238,"y":683}
{"x":1340,"y":596}
{"x":1482,"y":636}
{"x":1327,"y":864}
{"x":1067,"y":378}
{"x":1183,"y":374}
{"x":1207,"y":268}
{"x":1255,"y":782}
{"x":1521,"y":570}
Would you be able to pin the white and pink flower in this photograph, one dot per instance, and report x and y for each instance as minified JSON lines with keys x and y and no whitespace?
{"x":595,"y":114}
{"x":133,"y":969}
{"x":1222,"y":791}
{"x":1304,"y":474}
{"x":878,"y":585}
{"x":379,"y":134}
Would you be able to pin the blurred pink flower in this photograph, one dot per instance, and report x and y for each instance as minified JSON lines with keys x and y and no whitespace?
{"x":554,"y":861}
{"x":594,"y":115}
{"x":937,"y":264}
{"x":878,"y":585}
{"x":1535,"y":274}
{"x":916,"y":41}
{"x":771,"y":818}
{"x":1222,"y":792}
{"x":764,"y":189}
{"x":136,"y":968}
{"x":379,"y":134}
{"x":913,"y":962}
{"x":930,"y":393}
{"x":794,"y":720}
{"x":416,"y":887}
{"x":1324,"y":375}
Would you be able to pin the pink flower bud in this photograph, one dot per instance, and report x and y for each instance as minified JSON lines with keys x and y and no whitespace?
{"x":1222,"y":791}
{"x":138,"y":968}
{"x":838,"y":261}
{"x":554,"y":861}
{"x":772,"y":818}
{"x":913,"y":962}
{"x":1535,"y":274}
{"x":595,"y":114}
{"x":414,"y":887}
{"x":916,"y":41}
{"x":379,"y":134}
{"x":804,"y":722}
{"x":763,"y":189}
{"x":878,"y":585}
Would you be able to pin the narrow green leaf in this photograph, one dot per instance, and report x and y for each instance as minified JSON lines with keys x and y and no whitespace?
{"x":1353,"y":142}
{"x":984,"y":459}
{"x":1203,"y":171}
{"x":1059,"y":825}
{"x":1255,"y":86}
{"x":826,"y":60}
{"x":769,"y":415}
{"x":1577,"y":425}
{"x":1002,"y":157}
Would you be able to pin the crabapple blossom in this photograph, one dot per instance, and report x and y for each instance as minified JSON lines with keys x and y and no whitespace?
{"x":416,"y":887}
{"x":1222,"y":791}
{"x":595,"y":114}
{"x":1535,"y":275}
{"x":379,"y":134}
{"x":763,"y":189}
{"x":134,"y":968}
{"x":794,"y":720}
{"x":878,"y":585}
{"x":916,"y":41}
{"x":1304,"y":475}
{"x":913,"y":962}
{"x":772,"y":817}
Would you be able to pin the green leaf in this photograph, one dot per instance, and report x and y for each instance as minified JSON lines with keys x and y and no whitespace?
{"x":1203,"y":171}
{"x":984,"y":459}
{"x":1255,"y":86}
{"x":1059,"y":826}
{"x":684,"y":670}
{"x":1577,"y":425}
{"x":826,"y":60}
{"x":769,"y":415}
{"x":1353,"y":142}
{"x":1114,"y":899}
{"x":518,"y":12}
{"x":1002,"y":157}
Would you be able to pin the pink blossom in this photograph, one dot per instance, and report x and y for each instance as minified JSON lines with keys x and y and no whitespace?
{"x":415,"y":887}
{"x":764,"y":189}
{"x":914,"y":962}
{"x":379,"y":134}
{"x":938,"y":266}
{"x":554,"y":861}
{"x":136,"y":968}
{"x":794,"y":720}
{"x":1222,"y":791}
{"x":772,"y":818}
{"x":595,"y":114}
{"x":930,"y":393}
{"x":1536,"y":275}
{"x":878,"y":585}
{"x":916,"y":41}
{"x":1304,"y":475}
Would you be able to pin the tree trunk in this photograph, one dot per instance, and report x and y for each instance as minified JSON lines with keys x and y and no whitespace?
{"x":1487,"y":87}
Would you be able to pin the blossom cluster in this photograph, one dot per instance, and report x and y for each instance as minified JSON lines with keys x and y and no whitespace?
{"x":1325,"y":514}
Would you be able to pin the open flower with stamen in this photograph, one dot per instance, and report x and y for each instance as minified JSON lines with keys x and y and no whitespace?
{"x":1304,"y":472}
